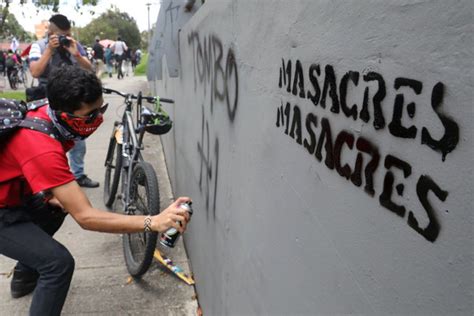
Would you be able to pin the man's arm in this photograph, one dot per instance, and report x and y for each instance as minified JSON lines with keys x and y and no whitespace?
{"x":39,"y":61}
{"x":78,"y":52}
{"x":76,"y":203}
{"x":83,"y":61}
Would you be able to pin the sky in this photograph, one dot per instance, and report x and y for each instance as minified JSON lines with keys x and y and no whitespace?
{"x":28,"y":15}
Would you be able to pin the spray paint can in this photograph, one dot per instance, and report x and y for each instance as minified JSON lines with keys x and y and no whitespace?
{"x":169,"y":237}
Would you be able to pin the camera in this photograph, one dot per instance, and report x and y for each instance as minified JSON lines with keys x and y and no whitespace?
{"x":64,"y":41}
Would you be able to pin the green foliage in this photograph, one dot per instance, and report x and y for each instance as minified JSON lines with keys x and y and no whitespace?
{"x":11,"y":28}
{"x":54,"y":4}
{"x":144,"y":38}
{"x":17,"y":95}
{"x":110,"y":25}
{"x":140,"y":70}
{"x":6,"y":30}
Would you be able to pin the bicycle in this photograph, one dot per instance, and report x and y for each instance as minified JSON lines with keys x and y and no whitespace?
{"x":22,"y":76}
{"x":139,"y":183}
{"x":16,"y":76}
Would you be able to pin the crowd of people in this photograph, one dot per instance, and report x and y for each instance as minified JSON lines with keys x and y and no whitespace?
{"x":11,"y":62}
{"x":111,"y":58}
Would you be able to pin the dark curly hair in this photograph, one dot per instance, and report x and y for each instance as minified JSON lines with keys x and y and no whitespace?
{"x":69,"y":86}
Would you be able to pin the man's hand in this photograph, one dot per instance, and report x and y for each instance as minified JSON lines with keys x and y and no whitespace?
{"x":72,"y":48}
{"x":172,"y":216}
{"x":53,"y":42}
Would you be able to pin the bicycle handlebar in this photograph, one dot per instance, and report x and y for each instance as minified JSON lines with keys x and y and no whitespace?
{"x":133,"y":96}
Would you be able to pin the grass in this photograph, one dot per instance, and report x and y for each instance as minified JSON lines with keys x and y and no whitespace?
{"x":140,"y":70}
{"x":17,"y":95}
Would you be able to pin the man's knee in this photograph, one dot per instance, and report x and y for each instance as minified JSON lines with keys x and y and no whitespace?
{"x":61,"y":263}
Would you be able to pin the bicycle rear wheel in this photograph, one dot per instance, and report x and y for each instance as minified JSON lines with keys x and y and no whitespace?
{"x":12,"y":79}
{"x":112,"y":171}
{"x":24,"y":79}
{"x":144,"y":200}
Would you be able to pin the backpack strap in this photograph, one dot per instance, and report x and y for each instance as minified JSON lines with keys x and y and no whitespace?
{"x":40,"y":125}
{"x":36,"y":104}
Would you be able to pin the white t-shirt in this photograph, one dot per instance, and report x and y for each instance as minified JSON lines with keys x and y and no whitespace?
{"x":119,"y":47}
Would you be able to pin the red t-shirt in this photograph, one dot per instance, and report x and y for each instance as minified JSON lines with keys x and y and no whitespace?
{"x":34,"y":159}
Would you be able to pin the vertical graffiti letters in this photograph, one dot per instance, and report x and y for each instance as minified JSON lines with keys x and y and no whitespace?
{"x":209,"y":163}
{"x":215,"y":71}
{"x":216,"y":79}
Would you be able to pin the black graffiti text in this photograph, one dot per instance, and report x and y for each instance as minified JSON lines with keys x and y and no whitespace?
{"x":209,"y":166}
{"x":316,"y":135}
{"x":215,"y":71}
{"x":320,"y":86}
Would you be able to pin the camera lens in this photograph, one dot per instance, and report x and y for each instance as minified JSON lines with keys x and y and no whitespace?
{"x":64,"y":41}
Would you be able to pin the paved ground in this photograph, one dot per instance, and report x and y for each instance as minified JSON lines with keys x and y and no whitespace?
{"x":100,"y":285}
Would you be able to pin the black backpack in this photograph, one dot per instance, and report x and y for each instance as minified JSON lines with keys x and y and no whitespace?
{"x":13,"y":117}
{"x":10,"y":63}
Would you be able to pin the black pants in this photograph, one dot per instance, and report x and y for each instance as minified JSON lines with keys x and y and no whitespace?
{"x":26,"y":236}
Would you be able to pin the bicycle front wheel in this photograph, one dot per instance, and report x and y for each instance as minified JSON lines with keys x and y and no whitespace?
{"x":24,"y":79}
{"x":13,"y":80}
{"x":144,"y":200}
{"x":112,"y":171}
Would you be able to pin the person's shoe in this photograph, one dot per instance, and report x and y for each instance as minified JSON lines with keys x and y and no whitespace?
{"x":86,"y":182}
{"x":23,"y":283}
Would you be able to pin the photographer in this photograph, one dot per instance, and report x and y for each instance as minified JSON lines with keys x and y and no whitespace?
{"x":37,"y":189}
{"x":56,"y":50}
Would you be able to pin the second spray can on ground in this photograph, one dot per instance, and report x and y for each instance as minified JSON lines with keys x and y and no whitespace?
{"x":169,"y":237}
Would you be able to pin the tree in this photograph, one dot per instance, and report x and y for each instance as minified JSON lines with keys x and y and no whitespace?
{"x":40,"y":4}
{"x":144,"y":38}
{"x":11,"y":28}
{"x":112,"y":24}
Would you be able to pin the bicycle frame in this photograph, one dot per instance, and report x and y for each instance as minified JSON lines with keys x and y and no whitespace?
{"x":132,"y":146}
{"x":129,"y":133}
{"x":139,"y":185}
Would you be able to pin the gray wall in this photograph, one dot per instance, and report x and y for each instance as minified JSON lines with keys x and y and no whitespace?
{"x":327,"y":146}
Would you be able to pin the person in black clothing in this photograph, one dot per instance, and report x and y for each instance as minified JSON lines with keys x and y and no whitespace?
{"x":98,"y":57}
{"x":3,"y":66}
{"x":12,"y":68}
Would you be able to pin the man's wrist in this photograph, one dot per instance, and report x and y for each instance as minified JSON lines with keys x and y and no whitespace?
{"x":147,"y":224}
{"x":48,"y":51}
{"x":77,"y":54}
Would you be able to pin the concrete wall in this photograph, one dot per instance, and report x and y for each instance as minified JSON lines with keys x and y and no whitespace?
{"x":327,"y":146}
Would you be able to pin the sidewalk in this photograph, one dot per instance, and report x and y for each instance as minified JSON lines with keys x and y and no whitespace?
{"x":101,"y":284}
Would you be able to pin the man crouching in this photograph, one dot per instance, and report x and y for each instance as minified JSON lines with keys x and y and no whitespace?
{"x":36,"y":187}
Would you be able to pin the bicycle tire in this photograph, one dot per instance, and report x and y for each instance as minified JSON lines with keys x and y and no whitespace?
{"x":139,"y":247}
{"x":112,"y":172}
{"x":24,"y":79}
{"x":12,"y":80}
